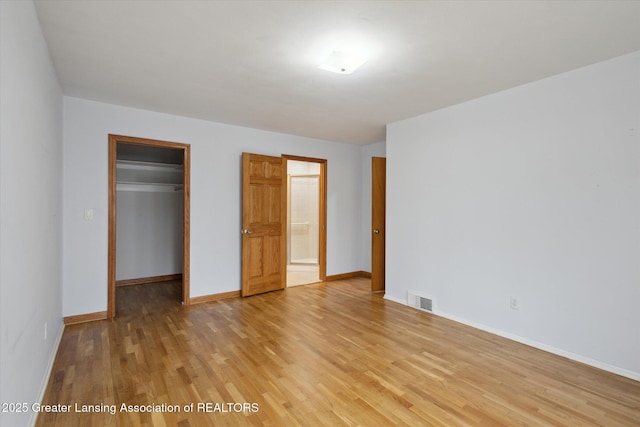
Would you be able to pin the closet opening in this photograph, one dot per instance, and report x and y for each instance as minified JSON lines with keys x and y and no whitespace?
{"x":148,"y":214}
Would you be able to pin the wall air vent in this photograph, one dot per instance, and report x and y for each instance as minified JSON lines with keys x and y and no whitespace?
{"x":420,"y":302}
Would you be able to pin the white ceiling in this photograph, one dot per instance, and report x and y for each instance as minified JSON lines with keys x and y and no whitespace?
{"x":254,"y":63}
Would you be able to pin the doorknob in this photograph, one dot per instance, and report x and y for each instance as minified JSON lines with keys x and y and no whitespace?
{"x":246,"y":231}
{"x":376,"y":231}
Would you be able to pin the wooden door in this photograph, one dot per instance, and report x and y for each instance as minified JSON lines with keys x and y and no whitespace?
{"x":378,"y":200}
{"x":263,"y":219}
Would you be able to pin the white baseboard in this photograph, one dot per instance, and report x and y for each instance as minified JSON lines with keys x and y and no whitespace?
{"x":47,"y":375}
{"x":541,"y":346}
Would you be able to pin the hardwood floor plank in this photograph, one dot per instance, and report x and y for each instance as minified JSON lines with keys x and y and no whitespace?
{"x":317,"y":355}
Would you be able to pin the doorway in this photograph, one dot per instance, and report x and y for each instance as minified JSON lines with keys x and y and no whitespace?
{"x":150,"y":179}
{"x":303,"y":223}
{"x":306,"y":213}
{"x":265,"y":219}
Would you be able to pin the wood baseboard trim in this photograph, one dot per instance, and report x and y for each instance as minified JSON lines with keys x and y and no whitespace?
{"x":214,"y":297}
{"x":152,"y":279}
{"x":349,"y":275}
{"x":81,"y":318}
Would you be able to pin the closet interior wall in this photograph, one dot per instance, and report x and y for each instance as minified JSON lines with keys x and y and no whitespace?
{"x":148,"y":213}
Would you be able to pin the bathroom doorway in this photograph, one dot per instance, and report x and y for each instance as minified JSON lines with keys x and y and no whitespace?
{"x":305,"y":221}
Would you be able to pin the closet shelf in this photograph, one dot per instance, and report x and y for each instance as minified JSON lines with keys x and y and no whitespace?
{"x":147,"y":166}
{"x":148,"y":176}
{"x":148,"y":186}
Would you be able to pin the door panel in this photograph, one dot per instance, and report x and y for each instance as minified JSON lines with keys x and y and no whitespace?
{"x":263,"y":263}
{"x":378,"y":201}
{"x":275,"y":205}
{"x":256,"y":249}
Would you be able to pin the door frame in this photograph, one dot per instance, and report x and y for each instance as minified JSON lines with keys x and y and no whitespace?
{"x":186,"y":223}
{"x":322,"y":253}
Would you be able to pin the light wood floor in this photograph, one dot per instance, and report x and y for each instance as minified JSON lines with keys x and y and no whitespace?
{"x":328,"y":355}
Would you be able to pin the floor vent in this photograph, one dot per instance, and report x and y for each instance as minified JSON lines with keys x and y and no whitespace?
{"x":420,"y":302}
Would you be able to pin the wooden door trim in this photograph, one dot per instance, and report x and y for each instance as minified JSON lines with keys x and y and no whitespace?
{"x":322,"y":255}
{"x":186,"y":209}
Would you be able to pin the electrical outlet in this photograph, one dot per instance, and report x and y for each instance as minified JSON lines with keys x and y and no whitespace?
{"x":514,"y":303}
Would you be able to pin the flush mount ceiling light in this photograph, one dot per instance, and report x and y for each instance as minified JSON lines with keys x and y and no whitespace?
{"x":342,"y":52}
{"x":343,"y":62}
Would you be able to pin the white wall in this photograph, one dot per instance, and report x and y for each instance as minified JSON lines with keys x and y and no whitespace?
{"x":215,"y":195}
{"x":149,"y":234}
{"x":533,"y":192}
{"x":368,"y":151}
{"x":30,"y":210}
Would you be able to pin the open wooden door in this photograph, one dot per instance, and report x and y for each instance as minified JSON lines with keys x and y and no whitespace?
{"x":264,"y":201}
{"x":378,"y":214}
